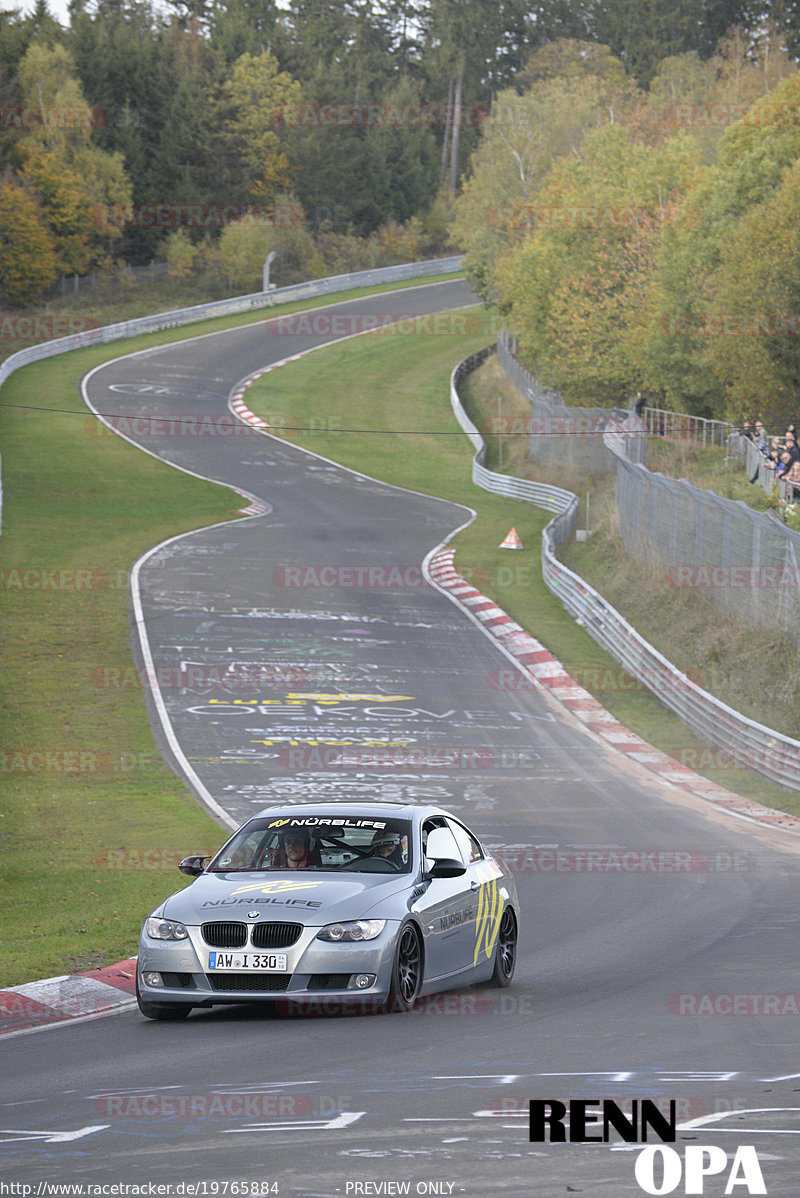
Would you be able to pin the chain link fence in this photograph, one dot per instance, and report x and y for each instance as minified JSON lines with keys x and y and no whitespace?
{"x":746,"y":562}
{"x":111,"y":280}
{"x":554,"y":499}
{"x":747,"y":743}
{"x":586,"y":438}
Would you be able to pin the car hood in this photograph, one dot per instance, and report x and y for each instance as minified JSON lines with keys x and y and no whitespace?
{"x":306,"y":897}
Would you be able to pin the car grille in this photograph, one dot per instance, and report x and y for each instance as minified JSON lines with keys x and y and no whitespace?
{"x":255,"y":982}
{"x":276,"y":935}
{"x":225,"y":935}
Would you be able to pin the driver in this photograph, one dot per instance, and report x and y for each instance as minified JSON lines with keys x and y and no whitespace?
{"x":386,"y":844}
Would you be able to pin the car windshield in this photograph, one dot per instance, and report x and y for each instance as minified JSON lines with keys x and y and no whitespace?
{"x":340,"y":842}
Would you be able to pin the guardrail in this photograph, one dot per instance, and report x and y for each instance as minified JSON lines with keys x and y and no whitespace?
{"x":230,"y":307}
{"x":553,"y":498}
{"x":749,"y":744}
{"x":663,"y":423}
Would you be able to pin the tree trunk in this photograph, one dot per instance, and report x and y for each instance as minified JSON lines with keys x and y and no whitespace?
{"x":446,"y":140}
{"x":456,"y":132}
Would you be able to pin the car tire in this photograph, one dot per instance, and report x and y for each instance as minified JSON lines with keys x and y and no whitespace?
{"x":164,"y":1011}
{"x":505,"y":953}
{"x":406,"y":970}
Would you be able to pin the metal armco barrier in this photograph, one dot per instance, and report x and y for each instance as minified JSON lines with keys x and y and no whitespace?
{"x":230,"y":307}
{"x":553,"y":498}
{"x":747,"y":744}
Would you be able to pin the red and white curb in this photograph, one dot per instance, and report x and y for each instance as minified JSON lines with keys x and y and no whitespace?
{"x":236,"y":402}
{"x":73,"y":996}
{"x":241,"y":411}
{"x":547,"y":672}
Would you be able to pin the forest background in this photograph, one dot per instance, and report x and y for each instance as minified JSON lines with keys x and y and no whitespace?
{"x":623,"y":177}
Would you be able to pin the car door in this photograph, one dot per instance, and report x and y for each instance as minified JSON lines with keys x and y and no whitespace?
{"x":487,"y":901}
{"x":447,"y":908}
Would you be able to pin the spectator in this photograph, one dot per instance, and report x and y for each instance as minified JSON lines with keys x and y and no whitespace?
{"x":762,"y":445}
{"x":784,"y":465}
{"x":774,"y":454}
{"x":791,"y":447}
{"x":747,"y":430}
{"x":793,"y":482}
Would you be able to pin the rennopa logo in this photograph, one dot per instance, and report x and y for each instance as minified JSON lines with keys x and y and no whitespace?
{"x":659,"y":1169}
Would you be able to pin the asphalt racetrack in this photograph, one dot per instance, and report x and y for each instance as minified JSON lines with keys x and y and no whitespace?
{"x":658,"y":956}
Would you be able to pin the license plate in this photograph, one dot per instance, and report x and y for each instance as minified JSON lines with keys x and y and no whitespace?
{"x":271,"y":962}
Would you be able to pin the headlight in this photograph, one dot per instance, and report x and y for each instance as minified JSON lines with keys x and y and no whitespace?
{"x":164,"y":929}
{"x":355,"y":929}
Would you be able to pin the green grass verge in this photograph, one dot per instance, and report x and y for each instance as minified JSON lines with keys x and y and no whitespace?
{"x":395,"y":382}
{"x":92,"y":821}
{"x":77,"y":313}
{"x":709,"y":469}
{"x":85,"y":796}
{"x":91,"y":833}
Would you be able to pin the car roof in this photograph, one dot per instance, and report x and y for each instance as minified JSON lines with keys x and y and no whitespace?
{"x":360,"y":809}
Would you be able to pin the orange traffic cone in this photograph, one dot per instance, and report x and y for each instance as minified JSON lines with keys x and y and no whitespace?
{"x":512,"y":541}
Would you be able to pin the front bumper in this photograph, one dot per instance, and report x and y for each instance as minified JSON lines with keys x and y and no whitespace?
{"x":318,"y":973}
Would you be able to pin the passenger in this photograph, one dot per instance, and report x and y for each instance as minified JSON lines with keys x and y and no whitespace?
{"x":294,"y":853}
{"x":386,"y":844}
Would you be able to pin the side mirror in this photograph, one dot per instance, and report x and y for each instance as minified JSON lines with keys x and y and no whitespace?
{"x":193,"y":865}
{"x":444,"y":867}
{"x":442,"y":853}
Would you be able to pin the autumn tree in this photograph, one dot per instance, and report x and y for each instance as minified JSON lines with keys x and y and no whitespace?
{"x":754,"y":155}
{"x":256,"y":118}
{"x":577,"y":287}
{"x":27,"y":253}
{"x":245,"y":244}
{"x":571,"y":88}
{"x":755,"y":338}
{"x":76,"y":182}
